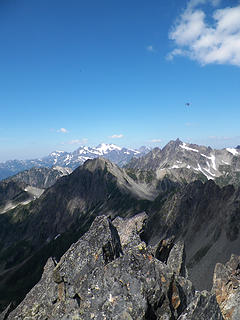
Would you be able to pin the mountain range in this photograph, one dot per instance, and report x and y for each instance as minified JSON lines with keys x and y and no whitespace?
{"x":187,"y":162}
{"x":114,"y":153}
{"x":183,"y":188}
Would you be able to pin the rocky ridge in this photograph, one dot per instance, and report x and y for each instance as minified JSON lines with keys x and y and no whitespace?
{"x":27,"y":186}
{"x":111,"y":274}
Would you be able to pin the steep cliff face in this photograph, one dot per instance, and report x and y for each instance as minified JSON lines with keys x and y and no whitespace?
{"x":207,"y":218}
{"x":111,"y":274}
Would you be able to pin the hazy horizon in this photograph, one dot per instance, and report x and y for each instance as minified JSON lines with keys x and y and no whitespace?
{"x":159,"y":145}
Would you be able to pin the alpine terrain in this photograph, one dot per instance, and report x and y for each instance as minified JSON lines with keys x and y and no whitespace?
{"x":143,"y":241}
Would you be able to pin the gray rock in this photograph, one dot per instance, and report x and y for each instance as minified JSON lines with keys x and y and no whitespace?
{"x":130,"y":229}
{"x":226,"y":286}
{"x":203,"y":307}
{"x":95,"y":280}
{"x":176,"y":259}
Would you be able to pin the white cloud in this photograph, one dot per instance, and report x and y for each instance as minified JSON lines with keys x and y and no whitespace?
{"x":150,"y":48}
{"x":155,"y":140}
{"x":116,"y":136}
{"x":63,"y":130}
{"x":216,"y":43}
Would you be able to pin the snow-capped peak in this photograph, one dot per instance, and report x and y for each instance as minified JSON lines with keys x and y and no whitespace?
{"x":104,"y":148}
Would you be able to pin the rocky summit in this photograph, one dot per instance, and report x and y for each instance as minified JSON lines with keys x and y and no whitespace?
{"x":110,"y":273}
{"x":187,"y":162}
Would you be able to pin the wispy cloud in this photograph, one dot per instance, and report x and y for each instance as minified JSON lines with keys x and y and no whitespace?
{"x":155,"y":140}
{"x":78,"y":141}
{"x":190,"y":124}
{"x":116,"y":136}
{"x":62,"y":130}
{"x":207,"y":43}
{"x":150,"y":48}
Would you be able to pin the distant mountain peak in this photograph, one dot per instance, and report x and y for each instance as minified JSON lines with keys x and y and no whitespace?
{"x":104,"y":147}
{"x":188,"y":161}
{"x":120,"y":156}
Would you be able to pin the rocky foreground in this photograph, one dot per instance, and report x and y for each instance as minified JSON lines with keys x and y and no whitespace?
{"x":111,"y":274}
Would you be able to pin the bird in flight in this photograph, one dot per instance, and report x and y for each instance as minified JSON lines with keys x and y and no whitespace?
{"x":187,"y":104}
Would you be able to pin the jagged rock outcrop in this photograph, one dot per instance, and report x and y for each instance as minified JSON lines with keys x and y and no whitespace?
{"x":130,"y":229}
{"x":177,"y":259}
{"x":226,"y":286}
{"x":101,"y":278}
{"x":204,"y":306}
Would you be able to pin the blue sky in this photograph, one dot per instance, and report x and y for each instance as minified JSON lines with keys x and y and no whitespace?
{"x":76,"y":72}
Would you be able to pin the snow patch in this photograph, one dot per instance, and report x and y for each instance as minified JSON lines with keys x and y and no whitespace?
{"x":209,"y":175}
{"x":184,"y":146}
{"x":213,"y":160}
{"x":203,"y":155}
{"x":233,"y":151}
{"x":225,"y":162}
{"x":175,"y":166}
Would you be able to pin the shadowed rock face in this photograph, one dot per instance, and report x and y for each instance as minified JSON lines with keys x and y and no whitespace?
{"x":27,"y":186}
{"x":207,"y":218}
{"x":12,"y":191}
{"x":40,"y":177}
{"x":128,"y":284}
